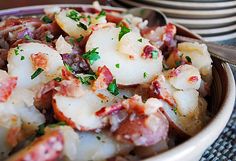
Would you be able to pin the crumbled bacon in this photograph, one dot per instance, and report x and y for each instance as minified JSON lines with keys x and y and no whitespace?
{"x":104,"y":78}
{"x":105,"y":111}
{"x":7,"y":85}
{"x":39,"y":60}
{"x":159,"y":90}
{"x":193,"y":79}
{"x":168,"y":36}
{"x":148,"y":52}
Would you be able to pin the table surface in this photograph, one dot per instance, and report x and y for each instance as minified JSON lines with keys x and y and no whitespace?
{"x":223,"y":149}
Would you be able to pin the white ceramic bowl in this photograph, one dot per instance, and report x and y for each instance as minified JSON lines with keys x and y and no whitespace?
{"x":222,"y":99}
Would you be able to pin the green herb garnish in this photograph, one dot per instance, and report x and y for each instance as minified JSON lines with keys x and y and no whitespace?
{"x":40,"y":130}
{"x":113,"y":88}
{"x":91,"y":56}
{"x":117,"y":65}
{"x":175,"y":110}
{"x":154,"y":54}
{"x":165,"y":67}
{"x":80,"y":38}
{"x":188,"y":59}
{"x":49,"y":37}
{"x":58,"y":79}
{"x":178,"y":63}
{"x":46,"y":19}
{"x":74,"y":15}
{"x":61,"y":123}
{"x":145,"y":75}
{"x":27,"y":37}
{"x":83,"y":26}
{"x":17,"y":50}
{"x":101,"y":14}
{"x":124,"y":30}
{"x":125,"y":97}
{"x":36,"y":73}
{"x":22,"y":58}
{"x":98,"y":137}
{"x":89,"y":20}
{"x":140,"y":40}
{"x":85,"y":79}
{"x":72,"y":40}
{"x":69,"y":68}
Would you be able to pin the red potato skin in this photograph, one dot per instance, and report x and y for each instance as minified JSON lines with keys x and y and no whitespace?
{"x":174,"y":127}
{"x":139,"y":127}
{"x":49,"y":147}
{"x":6,"y":87}
{"x":60,"y":116}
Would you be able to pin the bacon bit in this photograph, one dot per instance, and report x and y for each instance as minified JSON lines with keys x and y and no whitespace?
{"x":105,"y":111}
{"x":148,"y":52}
{"x":47,"y":87}
{"x":66,"y":74}
{"x":102,"y":96}
{"x":112,"y":18}
{"x":159,"y":91}
{"x":7,"y":85}
{"x":169,"y":34}
{"x":39,"y":60}
{"x":13,"y":136}
{"x":70,"y":88}
{"x":174,"y":73}
{"x":104,"y":78}
{"x":193,"y":79}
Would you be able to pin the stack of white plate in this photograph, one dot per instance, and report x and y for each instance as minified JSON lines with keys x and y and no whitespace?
{"x":214,"y":20}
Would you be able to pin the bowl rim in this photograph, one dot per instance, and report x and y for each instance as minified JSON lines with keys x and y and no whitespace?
{"x":215,"y":126}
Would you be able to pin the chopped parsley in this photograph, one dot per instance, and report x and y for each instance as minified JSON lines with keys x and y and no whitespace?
{"x":140,"y":40}
{"x":72,"y":40}
{"x":98,"y":137}
{"x":113,"y":88}
{"x":74,"y":15}
{"x":124,"y":30}
{"x":178,"y":63}
{"x":80,"y":38}
{"x":40,"y":130}
{"x":117,"y":65}
{"x":188,"y":59}
{"x":49,"y":37}
{"x":101,"y":14}
{"x":61,"y":123}
{"x":46,"y":19}
{"x":154,"y":54}
{"x":36,"y":73}
{"x":69,"y":68}
{"x":82,"y":25}
{"x":58,"y":79}
{"x":145,"y":75}
{"x":125,"y":97}
{"x":17,"y":50}
{"x":91,"y":56}
{"x":175,"y":110}
{"x":85,"y":79}
{"x":22,"y":58}
{"x":27,"y":37}
{"x":89,"y":20}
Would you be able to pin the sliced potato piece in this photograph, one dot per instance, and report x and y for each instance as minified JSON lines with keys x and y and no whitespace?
{"x":137,"y":69}
{"x":25,"y":59}
{"x":200,"y":58}
{"x":185,"y":77}
{"x":187,"y":101}
{"x":100,"y":146}
{"x":47,"y":147}
{"x":80,"y":112}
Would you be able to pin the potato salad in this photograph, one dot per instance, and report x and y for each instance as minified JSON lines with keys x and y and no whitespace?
{"x":88,"y":84}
